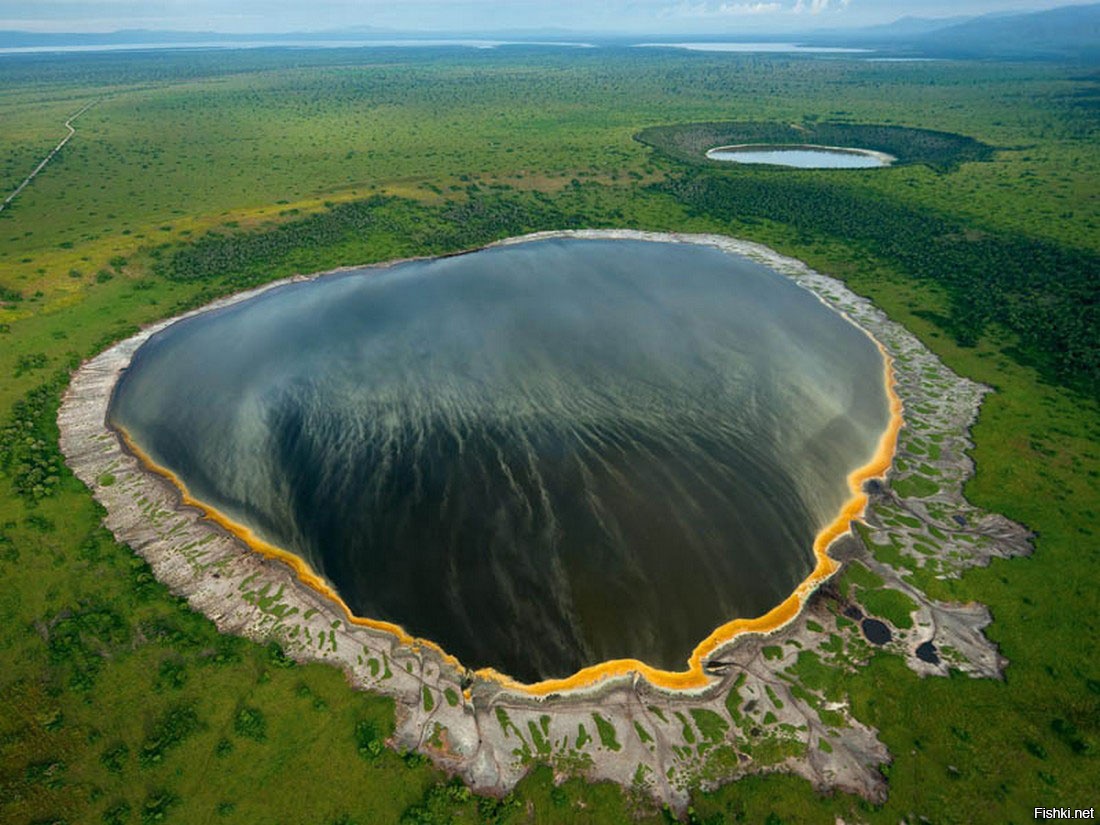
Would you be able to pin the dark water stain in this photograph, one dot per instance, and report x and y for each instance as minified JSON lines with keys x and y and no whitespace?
{"x":540,"y":456}
{"x":873,"y":487}
{"x":877,"y":632}
{"x":926,"y":652}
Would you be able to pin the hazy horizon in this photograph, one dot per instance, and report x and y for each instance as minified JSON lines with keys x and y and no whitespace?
{"x":720,"y":18}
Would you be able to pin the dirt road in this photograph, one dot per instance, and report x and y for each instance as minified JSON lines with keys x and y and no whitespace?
{"x":50,"y":156}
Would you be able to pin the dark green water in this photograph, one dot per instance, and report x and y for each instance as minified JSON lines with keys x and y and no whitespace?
{"x":540,"y":456}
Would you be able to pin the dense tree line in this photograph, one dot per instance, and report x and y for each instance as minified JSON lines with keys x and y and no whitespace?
{"x":1044,"y":293}
{"x":29,"y":454}
{"x":242,"y":254}
{"x":246,"y":258}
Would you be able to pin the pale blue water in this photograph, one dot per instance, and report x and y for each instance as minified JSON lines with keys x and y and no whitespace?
{"x":201,"y":45}
{"x":756,"y":48}
{"x":799,"y":158}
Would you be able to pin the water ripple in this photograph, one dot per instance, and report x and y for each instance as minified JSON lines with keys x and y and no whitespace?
{"x":539,"y":456}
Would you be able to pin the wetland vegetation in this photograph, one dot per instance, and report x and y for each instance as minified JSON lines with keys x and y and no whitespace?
{"x":199,"y":174}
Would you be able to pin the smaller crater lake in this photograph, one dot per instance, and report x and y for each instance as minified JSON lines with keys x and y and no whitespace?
{"x":540,"y":456}
{"x":802,"y":157}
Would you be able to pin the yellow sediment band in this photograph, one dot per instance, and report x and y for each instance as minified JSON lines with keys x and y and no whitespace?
{"x":695,"y":676}
{"x":301,"y":569}
{"x":692,"y":678}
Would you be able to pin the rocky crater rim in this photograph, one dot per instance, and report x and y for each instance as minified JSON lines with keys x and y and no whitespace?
{"x":753,"y":707}
{"x":689,"y":142}
{"x":695,"y":677}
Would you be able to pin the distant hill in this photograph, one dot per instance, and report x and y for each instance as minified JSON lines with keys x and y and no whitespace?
{"x":1066,"y":32}
{"x":903,"y":27}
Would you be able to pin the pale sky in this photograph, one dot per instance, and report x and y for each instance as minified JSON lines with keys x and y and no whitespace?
{"x":724,"y":17}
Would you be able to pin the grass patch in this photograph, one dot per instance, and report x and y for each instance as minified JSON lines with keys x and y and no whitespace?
{"x":606,"y":732}
{"x":893,"y":605}
{"x":915,"y":486}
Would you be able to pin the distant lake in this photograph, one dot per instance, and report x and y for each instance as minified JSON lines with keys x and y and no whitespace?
{"x":803,"y":157}
{"x":755,"y":47}
{"x":290,"y":43}
{"x":540,"y":456}
{"x":473,"y":43}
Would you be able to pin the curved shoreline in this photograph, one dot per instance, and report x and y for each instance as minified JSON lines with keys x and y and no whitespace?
{"x":883,"y":158}
{"x":491,"y":731}
{"x":695,"y":676}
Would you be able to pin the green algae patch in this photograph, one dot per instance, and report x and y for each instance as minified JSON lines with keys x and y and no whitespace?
{"x":863,"y":576}
{"x":892,"y":605}
{"x":606,"y":731}
{"x":915,"y":486}
{"x":583,"y":737}
{"x":711,"y":726}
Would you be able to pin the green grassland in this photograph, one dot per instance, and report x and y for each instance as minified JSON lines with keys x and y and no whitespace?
{"x":198,"y":174}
